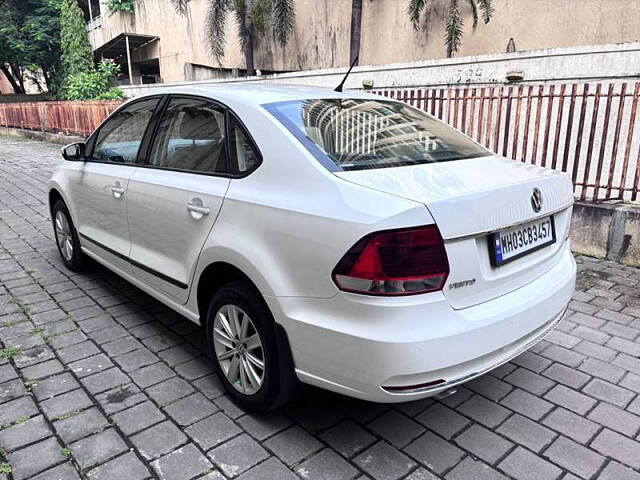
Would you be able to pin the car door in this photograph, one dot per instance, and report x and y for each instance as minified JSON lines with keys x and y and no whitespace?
{"x":175,"y":199}
{"x":100,"y":187}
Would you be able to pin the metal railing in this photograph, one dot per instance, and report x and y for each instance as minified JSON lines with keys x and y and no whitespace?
{"x":589,"y":130}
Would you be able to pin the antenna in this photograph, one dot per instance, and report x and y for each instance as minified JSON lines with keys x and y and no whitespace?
{"x":339,"y":87}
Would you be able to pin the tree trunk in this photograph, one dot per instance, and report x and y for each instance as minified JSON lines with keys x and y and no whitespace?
{"x":248,"y":49}
{"x":356,"y":28}
{"x":18,"y":74}
{"x":14,"y":83}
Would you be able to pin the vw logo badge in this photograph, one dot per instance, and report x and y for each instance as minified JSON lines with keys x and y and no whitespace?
{"x":536,"y":200}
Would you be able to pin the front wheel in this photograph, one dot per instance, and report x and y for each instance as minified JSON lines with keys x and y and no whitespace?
{"x":241,"y":336}
{"x":67,"y":238}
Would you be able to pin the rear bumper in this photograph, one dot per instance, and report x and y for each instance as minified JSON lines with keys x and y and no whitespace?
{"x":355,"y":344}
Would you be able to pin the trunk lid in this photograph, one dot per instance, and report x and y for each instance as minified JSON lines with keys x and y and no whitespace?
{"x":469,"y":199}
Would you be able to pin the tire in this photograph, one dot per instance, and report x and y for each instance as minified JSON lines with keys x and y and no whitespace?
{"x":67,"y":238}
{"x":257,"y":389}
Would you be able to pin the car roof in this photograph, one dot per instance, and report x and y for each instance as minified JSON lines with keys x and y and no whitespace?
{"x":255,"y":94}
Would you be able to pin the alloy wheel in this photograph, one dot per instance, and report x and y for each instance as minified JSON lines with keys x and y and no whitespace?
{"x":64,"y":236}
{"x":238,"y":348}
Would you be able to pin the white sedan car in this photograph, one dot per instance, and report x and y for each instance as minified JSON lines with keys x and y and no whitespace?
{"x":343,"y":240}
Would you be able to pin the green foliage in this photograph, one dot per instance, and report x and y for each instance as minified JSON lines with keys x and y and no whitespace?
{"x":21,"y":419}
{"x":30,"y":42}
{"x":29,"y":384}
{"x":66,"y":452}
{"x":10,"y":352}
{"x":114,"y":6}
{"x":454,"y":23}
{"x":5,"y":468}
{"x":95,"y":85}
{"x":77,"y":56}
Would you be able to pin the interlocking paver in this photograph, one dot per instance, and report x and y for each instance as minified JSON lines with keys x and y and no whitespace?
{"x":20,"y":407}
{"x":617,"y":446}
{"x":526,"y":432}
{"x":324,"y":462}
{"x":443,"y":420}
{"x":138,"y":418}
{"x":383,"y":462}
{"x":292,"y":445}
{"x":483,"y":443}
{"x":272,"y":469}
{"x":24,"y":433}
{"x":182,"y":464}
{"x":396,"y":428}
{"x":97,"y":448}
{"x":347,"y":438}
{"x":484,"y":411}
{"x":470,"y":468}
{"x":124,"y":467}
{"x":109,"y":367}
{"x":190,"y":409}
{"x":524,"y":465}
{"x":571,"y":425}
{"x":35,"y":458}
{"x":158,"y":440}
{"x":212,"y":431}
{"x":65,"y":403}
{"x":237,"y":455}
{"x":616,"y":419}
{"x":66,"y":471}
{"x":574,"y":457}
{"x":571,"y":399}
{"x":432,"y":450}
{"x":263,"y":425}
{"x":616,"y":471}
{"x":80,"y":425}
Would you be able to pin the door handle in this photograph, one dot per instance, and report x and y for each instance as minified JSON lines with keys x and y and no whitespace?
{"x":196,"y":209}
{"x":117,"y":190}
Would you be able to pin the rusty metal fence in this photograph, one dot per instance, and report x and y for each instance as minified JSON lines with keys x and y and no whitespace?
{"x":71,"y":118}
{"x":590,"y":131}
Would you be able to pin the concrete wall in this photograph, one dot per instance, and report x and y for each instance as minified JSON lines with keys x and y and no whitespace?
{"x":321,"y":36}
{"x":601,"y":62}
{"x":610,"y":231}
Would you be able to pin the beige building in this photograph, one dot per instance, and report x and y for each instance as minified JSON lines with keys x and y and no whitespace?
{"x":164,"y":46}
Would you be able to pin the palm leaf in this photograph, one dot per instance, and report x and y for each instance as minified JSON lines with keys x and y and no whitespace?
{"x":240,"y":12}
{"x":453,"y":30}
{"x":414,"y":10}
{"x":487,"y":10}
{"x":283,"y":19}
{"x":180,"y":6}
{"x":215,"y":24}
{"x":474,"y":12}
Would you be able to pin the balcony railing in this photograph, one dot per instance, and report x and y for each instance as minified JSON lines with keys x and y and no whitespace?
{"x":94,"y":23}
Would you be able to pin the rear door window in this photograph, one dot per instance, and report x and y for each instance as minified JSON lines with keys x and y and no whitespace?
{"x":357,"y":133}
{"x":191,"y":137}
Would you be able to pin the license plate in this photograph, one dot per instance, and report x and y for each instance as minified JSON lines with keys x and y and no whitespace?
{"x":514,"y":242}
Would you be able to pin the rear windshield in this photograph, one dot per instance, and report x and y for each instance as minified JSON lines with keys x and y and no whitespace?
{"x":357,"y":134}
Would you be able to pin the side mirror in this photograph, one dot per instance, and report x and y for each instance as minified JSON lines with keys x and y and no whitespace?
{"x":73,"y":152}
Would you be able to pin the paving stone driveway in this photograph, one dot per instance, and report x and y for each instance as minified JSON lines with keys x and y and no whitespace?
{"x":100,"y":381}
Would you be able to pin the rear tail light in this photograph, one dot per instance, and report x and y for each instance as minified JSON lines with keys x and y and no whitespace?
{"x":394,"y":262}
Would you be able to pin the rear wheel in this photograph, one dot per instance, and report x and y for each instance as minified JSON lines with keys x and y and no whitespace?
{"x":67,"y":238}
{"x":242,"y":341}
